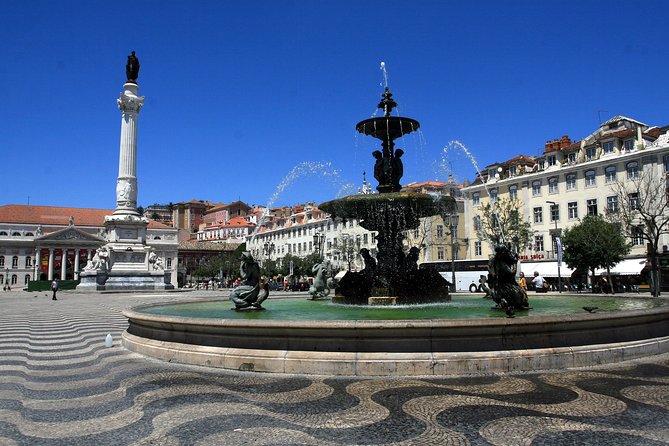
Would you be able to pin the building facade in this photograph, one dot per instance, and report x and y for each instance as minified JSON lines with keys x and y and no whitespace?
{"x":570,"y":180}
{"x":47,"y":242}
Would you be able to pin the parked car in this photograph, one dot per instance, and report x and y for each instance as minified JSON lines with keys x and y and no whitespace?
{"x":299,"y":286}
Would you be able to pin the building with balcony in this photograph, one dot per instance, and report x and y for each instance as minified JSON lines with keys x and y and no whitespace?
{"x":570,"y":180}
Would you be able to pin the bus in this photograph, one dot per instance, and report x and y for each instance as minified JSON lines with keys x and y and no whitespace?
{"x":467,"y":272}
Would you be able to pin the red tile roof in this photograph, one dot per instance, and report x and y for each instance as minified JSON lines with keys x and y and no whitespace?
{"x":53,"y":215}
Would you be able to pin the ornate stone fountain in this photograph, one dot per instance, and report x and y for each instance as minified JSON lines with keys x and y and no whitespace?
{"x":394,"y":275}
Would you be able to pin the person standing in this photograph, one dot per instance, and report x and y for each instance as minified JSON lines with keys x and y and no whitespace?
{"x":522,"y":281}
{"x":54,"y":288}
{"x":539,"y":283}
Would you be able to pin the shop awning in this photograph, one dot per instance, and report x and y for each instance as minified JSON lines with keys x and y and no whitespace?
{"x":545,"y":269}
{"x":628,"y":267}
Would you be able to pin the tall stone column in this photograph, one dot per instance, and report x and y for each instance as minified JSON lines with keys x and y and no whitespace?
{"x":38,"y":263}
{"x":126,"y":186}
{"x":76,"y":263}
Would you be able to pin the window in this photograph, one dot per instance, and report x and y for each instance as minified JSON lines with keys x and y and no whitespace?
{"x":493,"y":195}
{"x":16,"y":234}
{"x":538,"y":215}
{"x":571,"y":181}
{"x":542,"y":164}
{"x":15,"y":279}
{"x":365,"y":239}
{"x":571,"y":158}
{"x":28,"y":262}
{"x":572,"y":210}
{"x":476,"y":199}
{"x":26,"y":279}
{"x":3,"y":233}
{"x":632,"y":170}
{"x":666,"y":163}
{"x":555,"y":212}
{"x":608,"y":147}
{"x":536,"y":187}
{"x":590,"y":153}
{"x":553,"y":185}
{"x":512,"y":171}
{"x":440,"y":253}
{"x":2,"y":261}
{"x":637,"y":235}
{"x":477,"y":249}
{"x":415,"y":234}
{"x":440,"y":231}
{"x":592,"y":206}
{"x":538,"y":242}
{"x":628,"y":145}
{"x":513,"y":192}
{"x":610,"y":174}
{"x":2,"y":279}
{"x":169,"y":262}
{"x":633,"y":200}
{"x":590,"y":178}
{"x":15,"y":262}
{"x":492,"y":173}
{"x":552,"y":160}
{"x":612,"y":204}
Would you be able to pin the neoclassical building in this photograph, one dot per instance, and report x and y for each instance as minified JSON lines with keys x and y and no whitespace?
{"x":47,"y":242}
{"x":570,"y":180}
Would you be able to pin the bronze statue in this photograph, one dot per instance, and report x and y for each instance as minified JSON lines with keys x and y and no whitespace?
{"x":253,"y":291}
{"x":132,"y":68}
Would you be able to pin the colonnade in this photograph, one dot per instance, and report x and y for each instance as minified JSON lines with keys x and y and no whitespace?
{"x":63,"y":262}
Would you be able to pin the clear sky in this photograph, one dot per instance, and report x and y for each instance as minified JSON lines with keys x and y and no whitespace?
{"x":238,"y":93}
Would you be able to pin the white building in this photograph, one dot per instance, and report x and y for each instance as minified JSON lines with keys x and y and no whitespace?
{"x":569,"y":181}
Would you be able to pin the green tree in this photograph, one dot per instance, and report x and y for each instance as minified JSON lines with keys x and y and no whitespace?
{"x":643,"y":212}
{"x":594,"y":243}
{"x":502,"y":222}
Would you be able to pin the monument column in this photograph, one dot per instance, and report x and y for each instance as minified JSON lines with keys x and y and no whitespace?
{"x":126,"y":186}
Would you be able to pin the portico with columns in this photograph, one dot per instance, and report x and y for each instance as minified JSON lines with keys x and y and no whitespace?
{"x":63,"y":254}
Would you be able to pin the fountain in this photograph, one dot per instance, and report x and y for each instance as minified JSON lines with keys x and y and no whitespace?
{"x":393,"y":277}
{"x":462,"y":336}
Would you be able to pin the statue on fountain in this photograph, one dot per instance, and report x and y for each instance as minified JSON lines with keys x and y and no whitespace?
{"x":320,"y":287}
{"x":503,"y":288}
{"x":252,"y":293}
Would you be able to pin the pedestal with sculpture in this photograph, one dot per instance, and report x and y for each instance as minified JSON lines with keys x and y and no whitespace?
{"x":130,"y":264}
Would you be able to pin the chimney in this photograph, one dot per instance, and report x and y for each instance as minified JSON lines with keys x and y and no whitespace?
{"x":548,"y":146}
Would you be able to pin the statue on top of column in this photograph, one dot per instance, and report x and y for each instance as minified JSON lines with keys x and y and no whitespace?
{"x":132,"y":68}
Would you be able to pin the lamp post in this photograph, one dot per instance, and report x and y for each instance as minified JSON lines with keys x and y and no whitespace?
{"x":453,"y":229}
{"x":268,"y":249}
{"x":319,"y":241}
{"x":557,"y":243}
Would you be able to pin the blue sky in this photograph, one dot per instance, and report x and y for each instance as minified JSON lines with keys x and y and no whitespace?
{"x":239,"y":93}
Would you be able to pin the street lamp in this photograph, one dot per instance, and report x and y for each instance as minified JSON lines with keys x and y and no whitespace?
{"x":319,"y":241}
{"x":452,"y":221}
{"x":557,"y":243}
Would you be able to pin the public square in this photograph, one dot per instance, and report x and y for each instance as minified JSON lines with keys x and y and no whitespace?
{"x":60,"y":385}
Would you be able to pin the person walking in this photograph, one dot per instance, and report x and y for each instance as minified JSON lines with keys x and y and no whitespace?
{"x":54,"y":288}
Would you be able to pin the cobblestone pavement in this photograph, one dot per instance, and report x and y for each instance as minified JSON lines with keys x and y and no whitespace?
{"x":60,"y":385}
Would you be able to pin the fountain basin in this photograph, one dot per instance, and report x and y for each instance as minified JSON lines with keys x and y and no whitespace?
{"x":400,"y":347}
{"x":387,"y":127}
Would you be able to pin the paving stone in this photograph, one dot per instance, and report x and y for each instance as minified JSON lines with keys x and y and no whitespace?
{"x":59,"y":385}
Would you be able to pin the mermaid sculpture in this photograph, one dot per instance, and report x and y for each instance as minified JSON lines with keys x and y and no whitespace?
{"x":252,"y":292}
{"x":319,"y":289}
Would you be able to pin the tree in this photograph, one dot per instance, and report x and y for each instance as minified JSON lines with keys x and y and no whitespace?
{"x":348,"y":248}
{"x":502,"y":222}
{"x":594,"y":243}
{"x":643,"y":212}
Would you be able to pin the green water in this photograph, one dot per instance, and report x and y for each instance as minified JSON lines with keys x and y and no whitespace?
{"x":461,"y":307}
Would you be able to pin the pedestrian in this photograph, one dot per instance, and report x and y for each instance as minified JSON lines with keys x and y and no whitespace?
{"x":54,"y":288}
{"x":522,"y":281}
{"x":540,"y":285}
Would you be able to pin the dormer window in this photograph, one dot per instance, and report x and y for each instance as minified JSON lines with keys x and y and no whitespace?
{"x":590,"y":153}
{"x":571,"y":158}
{"x":512,"y":171}
{"x":542,"y":164}
{"x":608,"y":147}
{"x":628,"y":145}
{"x":552,"y":160}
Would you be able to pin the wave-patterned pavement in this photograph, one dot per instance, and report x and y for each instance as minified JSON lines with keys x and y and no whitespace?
{"x":60,"y":385}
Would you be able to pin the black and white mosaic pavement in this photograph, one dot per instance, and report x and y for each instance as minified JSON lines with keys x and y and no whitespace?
{"x":60,"y":385}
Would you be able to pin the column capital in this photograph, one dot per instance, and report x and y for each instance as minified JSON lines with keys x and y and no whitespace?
{"x":130,"y":103}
